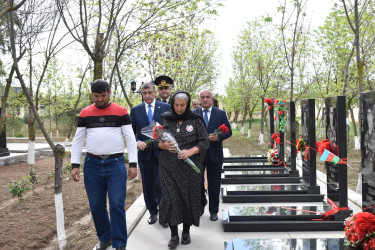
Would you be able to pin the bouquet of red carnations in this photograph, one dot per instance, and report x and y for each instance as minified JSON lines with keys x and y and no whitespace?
{"x":360,"y":230}
{"x":157,"y":132}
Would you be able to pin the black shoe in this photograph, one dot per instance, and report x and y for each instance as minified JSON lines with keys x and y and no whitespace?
{"x":173,"y":242}
{"x":185,"y":239}
{"x":120,"y":248}
{"x":103,"y":245}
{"x":202,"y":207}
{"x":165,"y":225}
{"x":152,"y":219}
{"x":213,"y":217}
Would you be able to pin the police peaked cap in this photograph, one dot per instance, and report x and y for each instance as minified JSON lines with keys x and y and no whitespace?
{"x":163,"y":81}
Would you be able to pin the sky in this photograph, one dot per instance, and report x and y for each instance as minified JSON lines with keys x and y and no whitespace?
{"x":236,"y":13}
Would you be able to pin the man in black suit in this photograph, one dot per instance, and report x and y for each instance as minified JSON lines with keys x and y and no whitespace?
{"x":213,"y":117}
{"x":164,"y":84}
{"x":148,"y":156}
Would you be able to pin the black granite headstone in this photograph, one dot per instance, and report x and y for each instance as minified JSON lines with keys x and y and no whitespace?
{"x":272,"y":125}
{"x":290,"y":137}
{"x":337,"y":180}
{"x":280,"y":147}
{"x":276,"y":244}
{"x":308,"y":135}
{"x":368,"y":152}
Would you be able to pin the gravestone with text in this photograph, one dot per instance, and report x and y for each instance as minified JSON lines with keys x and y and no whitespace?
{"x":368,"y":151}
{"x":325,"y":217}
{"x":308,"y":135}
{"x":337,"y":178}
{"x":301,"y":192}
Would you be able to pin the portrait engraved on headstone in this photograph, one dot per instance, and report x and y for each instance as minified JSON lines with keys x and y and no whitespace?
{"x":331,"y":124}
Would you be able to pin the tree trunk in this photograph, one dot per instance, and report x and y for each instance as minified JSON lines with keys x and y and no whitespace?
{"x":122,"y":86}
{"x":244,"y":119}
{"x":59,"y":205}
{"x":229,"y":114}
{"x":98,"y":57}
{"x":262,"y":118}
{"x":353,"y":120}
{"x":234,"y":124}
{"x":56,"y":149}
{"x":71,"y":126}
{"x":236,"y":114}
{"x":251,"y":111}
{"x":4,"y":100}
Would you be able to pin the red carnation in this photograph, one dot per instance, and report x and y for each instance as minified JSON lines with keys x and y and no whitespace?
{"x":276,"y":101}
{"x":8,"y":116}
{"x":280,"y":112}
{"x":275,"y":135}
{"x":371,"y":243}
{"x":158,"y":130}
{"x":284,"y":101}
{"x":275,"y":117}
{"x":284,"y":112}
{"x":359,"y":230}
{"x":223,"y":128}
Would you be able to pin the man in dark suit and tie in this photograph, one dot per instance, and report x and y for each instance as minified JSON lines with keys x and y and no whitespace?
{"x":213,"y":118}
{"x":148,"y":156}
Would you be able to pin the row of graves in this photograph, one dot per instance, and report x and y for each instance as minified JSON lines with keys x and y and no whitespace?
{"x":275,"y":178}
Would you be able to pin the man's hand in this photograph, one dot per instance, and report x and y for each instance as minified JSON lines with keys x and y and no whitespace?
{"x":141,"y":145}
{"x":132,"y":173}
{"x":75,"y":174}
{"x":213,"y":137}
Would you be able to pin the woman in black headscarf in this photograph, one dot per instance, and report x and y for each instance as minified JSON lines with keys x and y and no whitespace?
{"x":180,"y":183}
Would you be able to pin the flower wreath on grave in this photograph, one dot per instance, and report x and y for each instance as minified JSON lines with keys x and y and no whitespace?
{"x":280,"y":105}
{"x":276,"y":138}
{"x":268,"y":102}
{"x":360,"y":230}
{"x":301,"y":145}
{"x":273,"y":156}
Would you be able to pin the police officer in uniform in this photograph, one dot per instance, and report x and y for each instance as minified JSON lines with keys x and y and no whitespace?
{"x":164,"y":84}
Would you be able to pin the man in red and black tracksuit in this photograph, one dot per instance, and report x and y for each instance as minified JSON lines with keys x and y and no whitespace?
{"x":105,"y":124}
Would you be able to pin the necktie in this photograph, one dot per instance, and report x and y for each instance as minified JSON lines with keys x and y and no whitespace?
{"x":205,"y":117}
{"x":149,"y":114}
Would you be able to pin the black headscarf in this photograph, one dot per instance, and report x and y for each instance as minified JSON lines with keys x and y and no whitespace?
{"x":188,"y":114}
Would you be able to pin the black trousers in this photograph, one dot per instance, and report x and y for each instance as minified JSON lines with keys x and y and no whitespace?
{"x":214,"y":183}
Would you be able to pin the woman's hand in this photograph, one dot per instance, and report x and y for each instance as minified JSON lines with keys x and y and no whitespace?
{"x":169,"y":146}
{"x":186,"y":153}
{"x":183,"y":154}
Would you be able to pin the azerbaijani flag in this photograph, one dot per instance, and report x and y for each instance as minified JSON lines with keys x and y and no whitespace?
{"x":330,"y":157}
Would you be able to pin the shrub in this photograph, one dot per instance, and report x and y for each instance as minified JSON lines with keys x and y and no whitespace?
{"x":19,"y":188}
{"x":33,"y":177}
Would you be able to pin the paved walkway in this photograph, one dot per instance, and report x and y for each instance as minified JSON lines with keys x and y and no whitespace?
{"x":210,"y":235}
